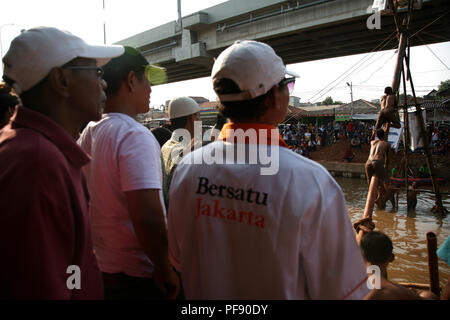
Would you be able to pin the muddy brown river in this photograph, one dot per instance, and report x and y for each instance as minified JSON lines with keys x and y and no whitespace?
{"x":406,"y":230}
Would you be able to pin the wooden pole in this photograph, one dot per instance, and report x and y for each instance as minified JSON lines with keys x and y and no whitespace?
{"x":433,"y":263}
{"x":439,"y":208}
{"x":394,"y":12}
{"x":373,"y":187}
{"x":406,"y":133}
{"x":412,"y":285}
{"x":399,"y":64}
{"x":371,"y":197}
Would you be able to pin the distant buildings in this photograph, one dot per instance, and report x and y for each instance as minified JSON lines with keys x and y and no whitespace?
{"x":362,"y":110}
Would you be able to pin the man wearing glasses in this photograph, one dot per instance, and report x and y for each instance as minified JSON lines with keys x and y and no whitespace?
{"x":46,"y":236}
{"x":237,"y":231}
{"x":125,"y":186}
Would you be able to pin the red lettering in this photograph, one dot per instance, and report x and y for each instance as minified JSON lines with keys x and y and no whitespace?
{"x":197,"y":214}
{"x":218,"y":212}
{"x":205,"y":210}
{"x":259,"y":221}
{"x":231,"y":214}
{"x":250,"y":215}
{"x":241,"y":214}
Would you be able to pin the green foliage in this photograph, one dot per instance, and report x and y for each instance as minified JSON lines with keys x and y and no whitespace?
{"x":444,"y":85}
{"x":401,"y":99}
{"x":328,"y":101}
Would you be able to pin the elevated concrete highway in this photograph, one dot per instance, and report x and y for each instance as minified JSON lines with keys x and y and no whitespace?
{"x":299,"y":31}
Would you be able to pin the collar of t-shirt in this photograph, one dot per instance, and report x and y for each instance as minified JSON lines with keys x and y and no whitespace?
{"x":27,"y":118}
{"x":225,"y":133}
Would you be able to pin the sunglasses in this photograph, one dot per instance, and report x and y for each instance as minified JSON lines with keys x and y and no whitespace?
{"x":289,"y":83}
{"x":98,"y":70}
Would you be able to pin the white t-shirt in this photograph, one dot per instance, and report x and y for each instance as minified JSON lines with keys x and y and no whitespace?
{"x":125,"y":157}
{"x":237,"y":234}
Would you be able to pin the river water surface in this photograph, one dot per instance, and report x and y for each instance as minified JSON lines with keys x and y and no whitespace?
{"x":406,"y":230}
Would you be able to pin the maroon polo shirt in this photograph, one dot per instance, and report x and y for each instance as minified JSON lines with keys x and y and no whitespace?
{"x":44,"y":226}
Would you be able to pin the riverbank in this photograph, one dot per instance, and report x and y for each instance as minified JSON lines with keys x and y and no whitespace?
{"x":332,"y":158}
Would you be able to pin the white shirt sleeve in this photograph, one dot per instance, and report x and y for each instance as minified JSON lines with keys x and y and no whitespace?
{"x":139,"y":162}
{"x":332,"y":261}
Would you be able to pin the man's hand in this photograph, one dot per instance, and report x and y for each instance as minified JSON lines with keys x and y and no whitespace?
{"x":363,"y":226}
{"x":146,"y":213}
{"x":167,"y":281}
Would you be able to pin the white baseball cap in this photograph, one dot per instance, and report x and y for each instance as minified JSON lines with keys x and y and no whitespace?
{"x":253,"y":66}
{"x":182,"y":107}
{"x":35,"y":52}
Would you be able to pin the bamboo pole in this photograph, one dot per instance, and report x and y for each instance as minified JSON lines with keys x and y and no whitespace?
{"x":433,"y":263}
{"x":439,"y":208}
{"x":394,"y":12}
{"x":412,"y":285}
{"x":399,"y":63}
{"x":371,"y":197}
{"x":373,"y":187}
{"x":406,"y":134}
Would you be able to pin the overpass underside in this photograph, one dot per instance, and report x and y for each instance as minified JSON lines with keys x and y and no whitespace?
{"x":299,"y":31}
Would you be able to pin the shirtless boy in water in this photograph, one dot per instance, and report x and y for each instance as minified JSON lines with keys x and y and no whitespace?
{"x":377,"y":250}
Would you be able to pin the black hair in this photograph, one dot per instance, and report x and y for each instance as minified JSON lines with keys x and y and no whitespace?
{"x":239,"y":111}
{"x":8,"y":102}
{"x":380,"y":133}
{"x":32,"y":98}
{"x":377,"y":247}
{"x":162,"y":135}
{"x":220,"y":121}
{"x":178,"y":123}
{"x":117,"y":69}
{"x":7,"y":98}
{"x":388,"y":90}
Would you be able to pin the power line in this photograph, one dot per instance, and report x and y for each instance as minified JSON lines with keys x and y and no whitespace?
{"x":433,"y":52}
{"x":367,"y":57}
{"x":430,"y":23}
{"x":381,"y":67}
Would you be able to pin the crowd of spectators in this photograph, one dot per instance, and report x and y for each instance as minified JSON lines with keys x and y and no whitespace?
{"x":440,"y":140}
{"x":304,"y":139}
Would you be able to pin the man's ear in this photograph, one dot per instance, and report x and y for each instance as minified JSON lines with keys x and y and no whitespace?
{"x":271,"y":100}
{"x":131,"y":81}
{"x":59,"y":81}
{"x":392,"y":258}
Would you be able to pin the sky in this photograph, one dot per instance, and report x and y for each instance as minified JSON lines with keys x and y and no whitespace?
{"x":367,"y":73}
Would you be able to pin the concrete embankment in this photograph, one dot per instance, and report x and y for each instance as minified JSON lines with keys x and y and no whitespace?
{"x":349,"y":170}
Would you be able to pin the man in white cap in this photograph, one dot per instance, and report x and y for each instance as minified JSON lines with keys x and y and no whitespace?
{"x":183,"y":113}
{"x":125,"y":181}
{"x":243,"y":230}
{"x":46,"y":235}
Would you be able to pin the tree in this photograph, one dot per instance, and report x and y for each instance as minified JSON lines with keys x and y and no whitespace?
{"x":401,"y":98}
{"x":444,"y":85}
{"x":328,"y":101}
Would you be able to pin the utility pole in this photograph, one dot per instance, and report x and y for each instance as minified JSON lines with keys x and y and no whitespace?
{"x":1,"y":45}
{"x":179,"y":24}
{"x":351,"y":95}
{"x":104,"y":23}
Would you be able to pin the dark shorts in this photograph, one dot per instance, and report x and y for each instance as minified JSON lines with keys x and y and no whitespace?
{"x":119,"y":286}
{"x":390,"y":116}
{"x":375,"y":167}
